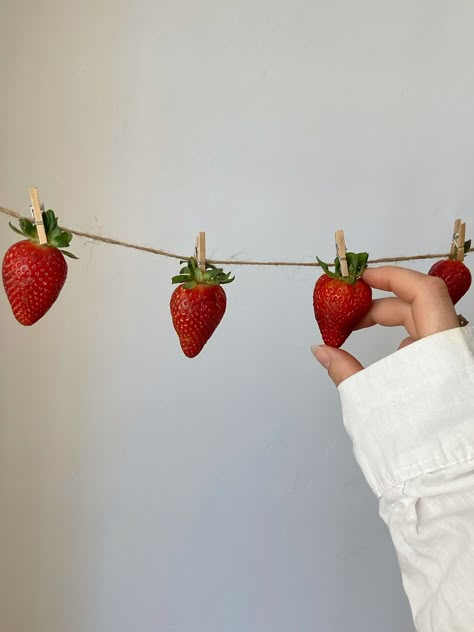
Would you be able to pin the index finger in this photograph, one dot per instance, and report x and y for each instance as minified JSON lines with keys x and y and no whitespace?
{"x":431,"y":306}
{"x":404,"y":283}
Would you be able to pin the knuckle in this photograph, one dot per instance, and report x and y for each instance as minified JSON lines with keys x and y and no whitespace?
{"x":436,"y":284}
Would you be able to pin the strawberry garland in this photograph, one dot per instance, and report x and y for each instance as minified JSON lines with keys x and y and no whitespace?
{"x":34,"y":274}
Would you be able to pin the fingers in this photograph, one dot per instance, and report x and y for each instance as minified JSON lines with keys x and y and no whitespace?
{"x":404,"y":283}
{"x":389,"y":312}
{"x":431,"y":307}
{"x":405,"y":342}
{"x":339,"y":364}
{"x":433,"y":310}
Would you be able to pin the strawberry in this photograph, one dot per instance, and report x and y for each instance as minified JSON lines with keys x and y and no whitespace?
{"x":198,"y":304}
{"x":455,"y":274}
{"x":34,"y":275}
{"x":340,"y":302}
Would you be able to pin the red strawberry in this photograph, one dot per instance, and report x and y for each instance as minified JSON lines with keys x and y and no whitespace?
{"x":341,"y":302}
{"x":198,"y":305}
{"x":455,"y":274}
{"x":34,"y":275}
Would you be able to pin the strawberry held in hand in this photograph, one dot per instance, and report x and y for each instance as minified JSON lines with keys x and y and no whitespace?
{"x":33,"y":275}
{"x":455,"y":274}
{"x":340,"y":302}
{"x":198,"y":304}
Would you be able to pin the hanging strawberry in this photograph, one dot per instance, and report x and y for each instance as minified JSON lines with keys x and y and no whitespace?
{"x":340,"y":302}
{"x":198,"y":304}
{"x":34,"y":274}
{"x":454,"y":273}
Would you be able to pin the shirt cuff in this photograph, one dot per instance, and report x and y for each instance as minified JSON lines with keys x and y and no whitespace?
{"x":412,"y":413}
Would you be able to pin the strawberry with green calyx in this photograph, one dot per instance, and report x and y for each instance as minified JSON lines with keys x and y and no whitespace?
{"x":34,"y":274}
{"x":340,"y":302}
{"x":454,"y":273}
{"x":198,"y":304}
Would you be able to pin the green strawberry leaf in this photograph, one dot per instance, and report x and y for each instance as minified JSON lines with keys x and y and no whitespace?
{"x":62,"y":240}
{"x":57,"y":237}
{"x":191,"y":274}
{"x":467,"y":246}
{"x":50,"y":222}
{"x":226,"y":278}
{"x":29,"y":229}
{"x":363,"y":259}
{"x":356,"y":263}
{"x":352,"y":263}
{"x":68,"y":254}
{"x":180,"y":278}
{"x":323,"y":265}
{"x":17,"y":230}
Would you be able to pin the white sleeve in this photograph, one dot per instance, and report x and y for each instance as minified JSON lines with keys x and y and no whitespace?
{"x":411,"y":419}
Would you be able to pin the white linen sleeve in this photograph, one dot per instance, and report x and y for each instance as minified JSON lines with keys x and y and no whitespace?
{"x":411,"y":419}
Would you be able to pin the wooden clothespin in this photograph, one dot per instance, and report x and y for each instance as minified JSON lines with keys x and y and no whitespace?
{"x":201,"y":251}
{"x":461,"y":240}
{"x":455,"y":239}
{"x":38,"y":215}
{"x":341,"y":252}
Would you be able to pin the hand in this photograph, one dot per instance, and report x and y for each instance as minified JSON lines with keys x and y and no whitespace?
{"x":421,"y":304}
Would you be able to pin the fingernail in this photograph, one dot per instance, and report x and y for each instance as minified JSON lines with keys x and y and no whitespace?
{"x":321,"y":355}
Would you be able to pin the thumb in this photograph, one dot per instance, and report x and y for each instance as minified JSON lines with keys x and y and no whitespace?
{"x":339,"y":364}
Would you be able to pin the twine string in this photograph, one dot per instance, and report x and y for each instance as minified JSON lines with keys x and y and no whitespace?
{"x":230,"y":262}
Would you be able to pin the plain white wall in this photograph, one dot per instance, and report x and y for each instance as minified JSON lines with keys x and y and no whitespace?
{"x":140,"y":490}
